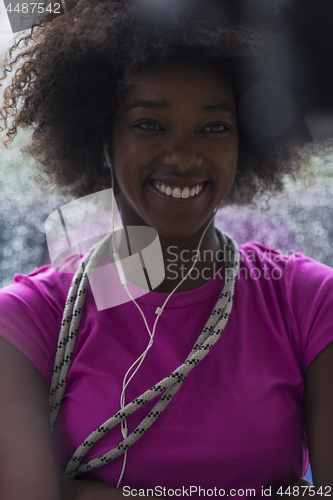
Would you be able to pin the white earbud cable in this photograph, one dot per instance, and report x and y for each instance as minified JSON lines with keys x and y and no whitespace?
{"x":159,"y":310}
{"x":167,"y":387}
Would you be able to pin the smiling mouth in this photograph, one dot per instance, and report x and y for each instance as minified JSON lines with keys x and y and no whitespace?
{"x":177,"y":191}
{"x":176,"y":194}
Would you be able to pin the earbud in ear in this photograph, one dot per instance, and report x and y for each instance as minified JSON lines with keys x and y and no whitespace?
{"x":107,"y":155}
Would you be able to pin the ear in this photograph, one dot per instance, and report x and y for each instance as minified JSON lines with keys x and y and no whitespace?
{"x":107,"y":153}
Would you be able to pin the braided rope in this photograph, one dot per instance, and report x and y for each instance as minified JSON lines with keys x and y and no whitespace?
{"x":69,"y":329}
{"x":67,"y":339}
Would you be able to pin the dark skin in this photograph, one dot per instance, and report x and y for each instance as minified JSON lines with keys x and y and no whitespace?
{"x":192,"y":136}
{"x":27,"y":463}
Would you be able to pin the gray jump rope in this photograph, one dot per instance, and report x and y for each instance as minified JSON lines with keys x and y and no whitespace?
{"x":68,"y":336}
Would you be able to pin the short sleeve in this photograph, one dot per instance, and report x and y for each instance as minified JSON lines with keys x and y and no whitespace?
{"x":31,"y":311}
{"x":310,"y":295}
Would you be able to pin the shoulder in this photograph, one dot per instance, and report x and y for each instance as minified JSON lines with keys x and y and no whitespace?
{"x":44,"y":285}
{"x":304,"y":280}
{"x":295,"y":267}
{"x":31,"y":311}
{"x":262,"y":261}
{"x":253,"y":251}
{"x":297,"y":286}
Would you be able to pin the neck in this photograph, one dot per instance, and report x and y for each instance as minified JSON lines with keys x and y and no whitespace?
{"x":179,"y":255}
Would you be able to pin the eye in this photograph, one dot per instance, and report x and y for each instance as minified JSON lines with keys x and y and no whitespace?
{"x":216,"y":128}
{"x":149,"y":126}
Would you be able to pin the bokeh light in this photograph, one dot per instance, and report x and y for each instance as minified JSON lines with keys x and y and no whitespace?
{"x":298,"y":220}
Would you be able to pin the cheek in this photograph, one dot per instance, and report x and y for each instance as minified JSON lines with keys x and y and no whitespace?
{"x":226,"y":158}
{"x":129,"y":149}
{"x":231,"y":160}
{"x":125,"y":158}
{"x":232,"y":155}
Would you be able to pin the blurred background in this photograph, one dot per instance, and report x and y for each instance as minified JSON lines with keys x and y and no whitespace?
{"x":300,"y":219}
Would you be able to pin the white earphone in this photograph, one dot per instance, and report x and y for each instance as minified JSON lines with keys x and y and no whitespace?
{"x":138,"y":362}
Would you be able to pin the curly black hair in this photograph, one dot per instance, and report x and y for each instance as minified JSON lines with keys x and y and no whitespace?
{"x":74,"y":66}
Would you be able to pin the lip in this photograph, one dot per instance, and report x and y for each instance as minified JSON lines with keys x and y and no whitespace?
{"x":180,"y":183}
{"x":178,"y":202}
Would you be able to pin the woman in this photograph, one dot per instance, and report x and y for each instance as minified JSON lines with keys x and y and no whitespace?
{"x":159,"y":101}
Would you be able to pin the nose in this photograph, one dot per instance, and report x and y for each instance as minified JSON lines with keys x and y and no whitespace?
{"x":183,"y":154}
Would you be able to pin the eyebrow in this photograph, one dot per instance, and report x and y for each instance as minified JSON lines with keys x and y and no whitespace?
{"x":206,"y":108}
{"x":213,"y":108}
{"x":143,"y":103}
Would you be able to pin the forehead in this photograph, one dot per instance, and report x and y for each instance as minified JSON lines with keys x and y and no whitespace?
{"x":179,"y":81}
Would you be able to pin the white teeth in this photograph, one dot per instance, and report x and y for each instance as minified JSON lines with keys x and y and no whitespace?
{"x":178,"y":192}
{"x":186,"y":193}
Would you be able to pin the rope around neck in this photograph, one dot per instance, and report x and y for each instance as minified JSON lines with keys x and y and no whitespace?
{"x":67,"y":340}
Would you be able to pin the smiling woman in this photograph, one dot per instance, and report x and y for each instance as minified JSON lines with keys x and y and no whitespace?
{"x":69,"y":125}
{"x":242,"y":353}
{"x":179,"y":143}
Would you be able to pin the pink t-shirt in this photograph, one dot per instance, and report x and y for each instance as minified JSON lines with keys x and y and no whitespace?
{"x":237,"y":421}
